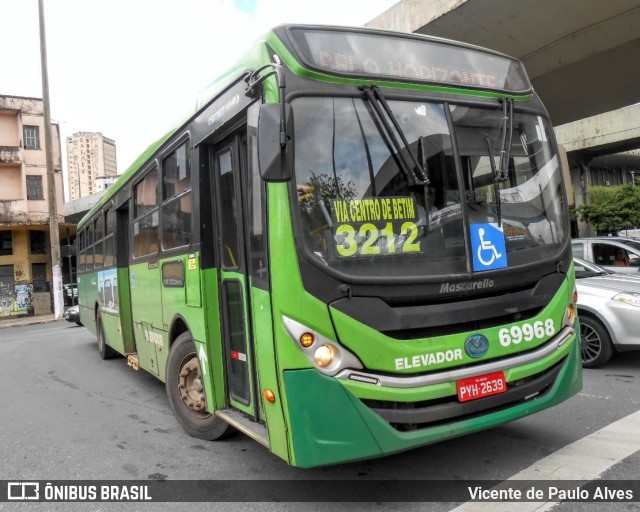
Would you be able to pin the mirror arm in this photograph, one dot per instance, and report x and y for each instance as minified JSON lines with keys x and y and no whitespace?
{"x":254,"y":79}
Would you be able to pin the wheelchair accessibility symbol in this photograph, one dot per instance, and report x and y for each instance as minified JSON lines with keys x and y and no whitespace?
{"x":487,"y":243}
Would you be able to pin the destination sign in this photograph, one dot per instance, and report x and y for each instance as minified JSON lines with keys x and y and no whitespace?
{"x":407,"y":58}
{"x":375,"y":227}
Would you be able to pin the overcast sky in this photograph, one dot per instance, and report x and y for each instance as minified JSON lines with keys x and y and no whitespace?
{"x":131,"y":69}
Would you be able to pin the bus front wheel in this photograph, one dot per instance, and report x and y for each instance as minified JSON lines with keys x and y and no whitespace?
{"x":185,"y":390}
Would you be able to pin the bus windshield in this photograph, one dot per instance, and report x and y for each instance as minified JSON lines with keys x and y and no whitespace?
{"x":363,"y":213}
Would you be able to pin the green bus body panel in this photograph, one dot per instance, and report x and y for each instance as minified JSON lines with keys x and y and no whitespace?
{"x":330,"y":425}
{"x":267,"y":371}
{"x":209,"y":337}
{"x":390,"y":352}
{"x":326,"y":426}
{"x":192,"y":280}
{"x":111,"y":325}
{"x":145,"y":283}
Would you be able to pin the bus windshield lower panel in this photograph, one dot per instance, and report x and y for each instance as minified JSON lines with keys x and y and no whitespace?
{"x":363,"y":214}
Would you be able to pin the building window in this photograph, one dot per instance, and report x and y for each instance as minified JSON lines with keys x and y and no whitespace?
{"x":6,"y":244}
{"x":38,"y":242}
{"x":39,"y":277}
{"x":7,"y":283}
{"x":34,"y":188}
{"x":31,"y":135}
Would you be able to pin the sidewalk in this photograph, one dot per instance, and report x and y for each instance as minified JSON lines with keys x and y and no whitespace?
{"x":28,"y":320}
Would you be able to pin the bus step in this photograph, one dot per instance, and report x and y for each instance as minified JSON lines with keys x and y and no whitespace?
{"x":132,"y":360}
{"x":255,"y":431}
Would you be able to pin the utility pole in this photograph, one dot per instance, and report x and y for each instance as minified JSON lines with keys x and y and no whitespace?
{"x":54,"y":233}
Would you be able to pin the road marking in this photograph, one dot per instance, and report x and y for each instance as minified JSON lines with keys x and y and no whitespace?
{"x":585,"y":459}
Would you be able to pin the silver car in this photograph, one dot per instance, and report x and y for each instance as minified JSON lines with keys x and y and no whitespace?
{"x":612,"y":253}
{"x":609,"y":312}
{"x":72,"y":314}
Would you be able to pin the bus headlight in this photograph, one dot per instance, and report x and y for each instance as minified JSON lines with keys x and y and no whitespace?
{"x":325,"y":354}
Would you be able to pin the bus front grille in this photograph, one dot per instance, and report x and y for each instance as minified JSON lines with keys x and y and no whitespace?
{"x":410,"y":416}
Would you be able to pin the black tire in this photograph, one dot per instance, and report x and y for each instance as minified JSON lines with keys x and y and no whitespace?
{"x":105,"y":351}
{"x":188,"y":402}
{"x":595,"y":342}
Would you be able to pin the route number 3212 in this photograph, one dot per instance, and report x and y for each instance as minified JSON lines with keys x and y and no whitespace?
{"x":370,"y":240}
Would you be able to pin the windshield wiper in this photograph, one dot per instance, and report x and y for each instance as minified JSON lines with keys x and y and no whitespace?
{"x":505,"y":154}
{"x":416,"y":173}
{"x":496,"y":179}
{"x":507,"y":138}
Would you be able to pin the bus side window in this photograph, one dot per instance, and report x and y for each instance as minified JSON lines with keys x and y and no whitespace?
{"x":256,"y":201}
{"x":176,"y":208}
{"x":145,"y":227}
{"x":229,"y":228}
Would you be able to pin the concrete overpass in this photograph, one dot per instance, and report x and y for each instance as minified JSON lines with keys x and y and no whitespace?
{"x":582,"y":55}
{"x":583,"y":58}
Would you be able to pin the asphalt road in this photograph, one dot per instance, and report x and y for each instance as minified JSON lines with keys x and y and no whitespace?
{"x":67,"y":415}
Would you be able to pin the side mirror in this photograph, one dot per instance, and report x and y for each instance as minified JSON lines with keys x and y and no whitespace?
{"x":276,"y":162}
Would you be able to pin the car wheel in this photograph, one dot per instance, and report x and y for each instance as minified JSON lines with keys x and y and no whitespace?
{"x":595,"y":342}
{"x":185,"y":390}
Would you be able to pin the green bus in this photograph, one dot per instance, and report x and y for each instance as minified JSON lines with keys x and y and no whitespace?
{"x":357,"y":244}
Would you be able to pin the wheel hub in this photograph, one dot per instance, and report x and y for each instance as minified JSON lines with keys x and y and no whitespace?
{"x":191,"y":387}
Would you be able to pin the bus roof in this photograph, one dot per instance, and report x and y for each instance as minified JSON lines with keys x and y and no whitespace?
{"x":354,"y":54}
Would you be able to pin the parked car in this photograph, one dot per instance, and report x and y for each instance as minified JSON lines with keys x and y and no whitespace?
{"x":70,"y":294}
{"x":609,"y":312}
{"x":72,"y":314}
{"x":612,"y":253}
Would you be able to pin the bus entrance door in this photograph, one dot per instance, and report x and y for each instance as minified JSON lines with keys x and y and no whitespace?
{"x":236,"y":338}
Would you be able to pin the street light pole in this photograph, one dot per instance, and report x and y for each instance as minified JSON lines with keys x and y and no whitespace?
{"x":54,"y":233}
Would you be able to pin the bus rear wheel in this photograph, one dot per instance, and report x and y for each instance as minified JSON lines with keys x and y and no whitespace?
{"x":106,"y":352}
{"x":185,"y":390}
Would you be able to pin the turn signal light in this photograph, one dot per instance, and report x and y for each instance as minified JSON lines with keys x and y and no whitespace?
{"x":571,"y":314}
{"x":307,"y":339}
{"x":269,"y":396}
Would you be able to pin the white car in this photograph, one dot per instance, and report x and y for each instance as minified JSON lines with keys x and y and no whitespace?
{"x":609,"y":312}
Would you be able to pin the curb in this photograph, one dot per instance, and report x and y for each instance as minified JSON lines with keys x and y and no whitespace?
{"x":31,"y":320}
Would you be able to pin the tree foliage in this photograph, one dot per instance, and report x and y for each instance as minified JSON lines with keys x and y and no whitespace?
{"x":612,"y":208}
{"x":321,"y":188}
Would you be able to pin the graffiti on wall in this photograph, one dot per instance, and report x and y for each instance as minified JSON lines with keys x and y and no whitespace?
{"x":16,"y":300}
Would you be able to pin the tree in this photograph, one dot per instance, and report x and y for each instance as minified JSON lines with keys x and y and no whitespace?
{"x":322,"y":188}
{"x":612,"y":208}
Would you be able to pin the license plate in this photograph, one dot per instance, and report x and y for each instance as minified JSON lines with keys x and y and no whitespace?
{"x":481,"y":386}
